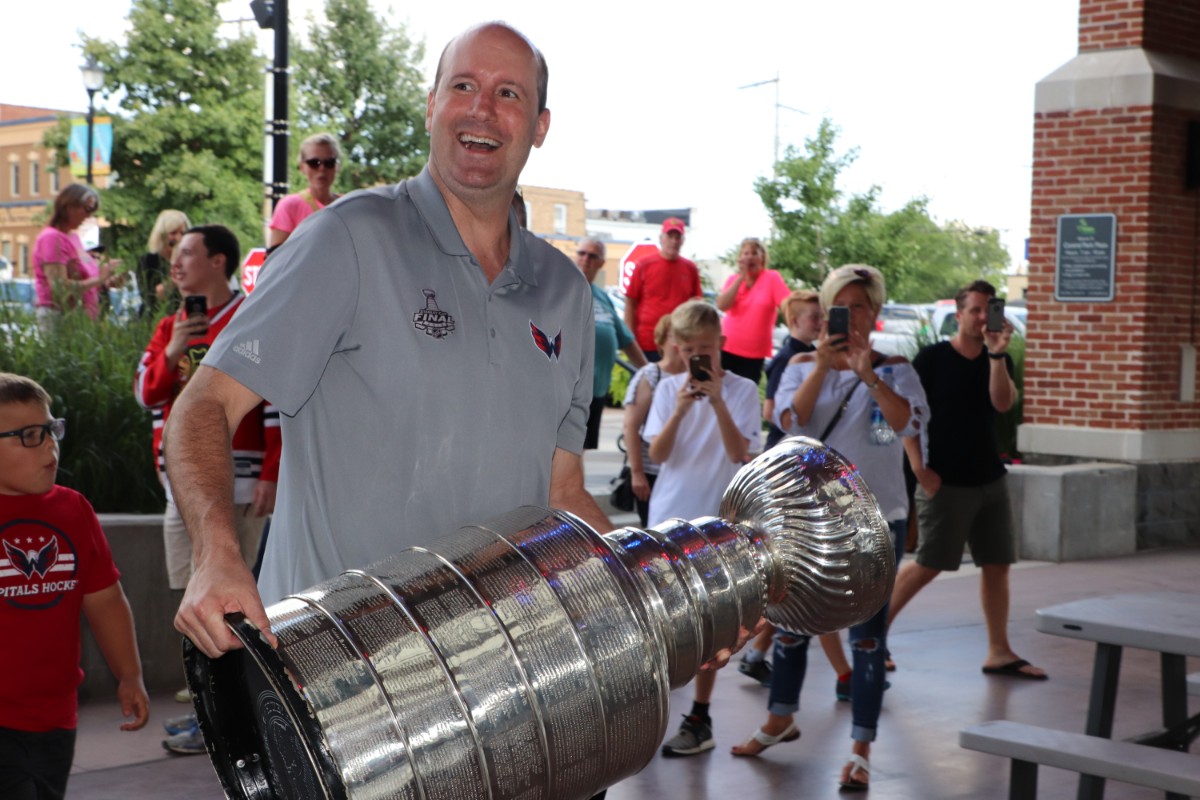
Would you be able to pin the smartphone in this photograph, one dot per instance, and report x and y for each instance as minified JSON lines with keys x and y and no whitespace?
{"x":195,"y":304}
{"x":700,"y":367}
{"x":839,"y":321}
{"x":995,"y":314}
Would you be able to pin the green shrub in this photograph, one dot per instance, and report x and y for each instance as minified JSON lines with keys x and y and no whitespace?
{"x":1006,"y":424}
{"x":88,"y":367}
{"x":619,"y":385}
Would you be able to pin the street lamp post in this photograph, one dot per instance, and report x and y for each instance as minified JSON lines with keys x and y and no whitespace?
{"x":274,"y":14}
{"x":93,"y":80}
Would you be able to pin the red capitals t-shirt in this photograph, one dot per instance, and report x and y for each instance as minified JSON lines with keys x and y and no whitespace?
{"x":52,"y":553}
{"x":658,"y":286}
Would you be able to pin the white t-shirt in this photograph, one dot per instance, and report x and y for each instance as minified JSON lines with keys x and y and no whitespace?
{"x":692,"y":480}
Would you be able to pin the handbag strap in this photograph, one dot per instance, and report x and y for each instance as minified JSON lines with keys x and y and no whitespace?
{"x":846,"y":401}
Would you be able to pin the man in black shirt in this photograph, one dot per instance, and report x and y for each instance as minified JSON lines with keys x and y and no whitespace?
{"x":962,"y":495}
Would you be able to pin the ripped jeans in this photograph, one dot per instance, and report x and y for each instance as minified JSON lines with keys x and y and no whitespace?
{"x":868,"y":646}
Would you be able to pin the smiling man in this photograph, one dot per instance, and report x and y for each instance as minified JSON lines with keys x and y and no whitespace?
{"x":432,"y":360}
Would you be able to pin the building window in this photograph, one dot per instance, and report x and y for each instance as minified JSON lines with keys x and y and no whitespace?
{"x":53,"y":180}
{"x":34,"y":178}
{"x":560,"y":218}
{"x":6,"y":250}
{"x":14,"y":180}
{"x":24,"y":260}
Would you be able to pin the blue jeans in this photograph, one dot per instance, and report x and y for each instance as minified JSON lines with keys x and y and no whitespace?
{"x":789,"y":662}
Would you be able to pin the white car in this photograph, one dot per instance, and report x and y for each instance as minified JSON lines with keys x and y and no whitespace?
{"x":945,"y":323}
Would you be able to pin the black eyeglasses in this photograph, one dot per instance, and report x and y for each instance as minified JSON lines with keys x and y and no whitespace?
{"x":327,"y":163}
{"x":34,"y":435}
{"x":586,"y":254}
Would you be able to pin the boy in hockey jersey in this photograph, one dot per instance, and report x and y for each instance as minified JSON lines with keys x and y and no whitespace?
{"x":54,"y":564}
{"x":204,"y":261}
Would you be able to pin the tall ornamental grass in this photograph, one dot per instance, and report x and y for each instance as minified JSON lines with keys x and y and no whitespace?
{"x":88,"y":366}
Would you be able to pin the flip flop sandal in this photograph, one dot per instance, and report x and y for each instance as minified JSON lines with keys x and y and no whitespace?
{"x":860,"y":764}
{"x":790,"y":734}
{"x":1014,"y":669}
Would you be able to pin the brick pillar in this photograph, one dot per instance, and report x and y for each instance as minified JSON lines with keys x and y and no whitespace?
{"x":1117,"y":380}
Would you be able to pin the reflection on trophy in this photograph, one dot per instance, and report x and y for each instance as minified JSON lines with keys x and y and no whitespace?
{"x":531,"y":657}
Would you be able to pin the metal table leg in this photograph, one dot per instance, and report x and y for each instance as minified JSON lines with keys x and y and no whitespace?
{"x":1174,"y":700}
{"x":1101,"y":705}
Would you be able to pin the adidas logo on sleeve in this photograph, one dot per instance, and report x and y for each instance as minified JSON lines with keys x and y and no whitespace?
{"x":248,"y":349}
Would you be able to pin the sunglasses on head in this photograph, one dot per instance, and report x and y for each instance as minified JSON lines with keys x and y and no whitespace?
{"x":327,"y":163}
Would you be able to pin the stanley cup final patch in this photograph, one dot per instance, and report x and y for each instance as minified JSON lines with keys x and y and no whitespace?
{"x":551,"y":347}
{"x":431,"y":319}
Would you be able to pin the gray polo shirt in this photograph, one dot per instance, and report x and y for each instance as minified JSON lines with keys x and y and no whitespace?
{"x":415,"y":397}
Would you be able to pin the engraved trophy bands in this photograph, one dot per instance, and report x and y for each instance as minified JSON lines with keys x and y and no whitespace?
{"x":530,"y":657}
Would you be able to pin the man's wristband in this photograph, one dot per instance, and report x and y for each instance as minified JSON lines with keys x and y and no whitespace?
{"x":995,"y":356}
{"x":873,"y":386}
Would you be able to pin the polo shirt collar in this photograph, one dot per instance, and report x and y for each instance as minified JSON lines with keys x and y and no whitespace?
{"x":432,"y":208}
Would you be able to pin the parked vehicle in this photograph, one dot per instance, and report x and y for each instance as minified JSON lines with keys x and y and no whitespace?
{"x":945,"y":323}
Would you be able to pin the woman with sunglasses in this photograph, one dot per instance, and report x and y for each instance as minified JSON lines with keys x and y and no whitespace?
{"x":64,"y":273}
{"x":319,"y":160}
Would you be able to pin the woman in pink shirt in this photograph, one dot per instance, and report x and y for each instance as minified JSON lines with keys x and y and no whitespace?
{"x":319,"y":161}
{"x":750,"y":300}
{"x":64,"y":273}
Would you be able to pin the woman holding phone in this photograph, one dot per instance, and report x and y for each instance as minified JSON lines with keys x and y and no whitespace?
{"x":65,"y":274}
{"x":860,"y":403}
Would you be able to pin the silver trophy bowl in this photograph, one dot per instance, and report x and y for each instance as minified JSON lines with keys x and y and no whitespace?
{"x":531,"y":657}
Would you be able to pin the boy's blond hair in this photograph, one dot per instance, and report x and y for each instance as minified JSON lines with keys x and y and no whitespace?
{"x":798,"y":296}
{"x":694,"y":319}
{"x":662,"y":331}
{"x":19,"y":389}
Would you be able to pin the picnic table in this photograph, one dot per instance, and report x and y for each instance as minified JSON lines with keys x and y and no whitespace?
{"x":1165,"y":622}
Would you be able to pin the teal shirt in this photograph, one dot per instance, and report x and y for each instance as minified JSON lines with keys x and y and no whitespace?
{"x":611,"y":335}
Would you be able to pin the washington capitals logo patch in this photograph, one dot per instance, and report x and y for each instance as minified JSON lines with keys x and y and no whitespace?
{"x":431,"y":319}
{"x":29,"y":562}
{"x":551,"y":347}
{"x":37,"y":564}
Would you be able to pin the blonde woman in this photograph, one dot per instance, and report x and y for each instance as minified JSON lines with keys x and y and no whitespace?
{"x":154,"y":268}
{"x":320,"y":158}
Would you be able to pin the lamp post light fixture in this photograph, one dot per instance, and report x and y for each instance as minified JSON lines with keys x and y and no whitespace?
{"x":93,"y":80}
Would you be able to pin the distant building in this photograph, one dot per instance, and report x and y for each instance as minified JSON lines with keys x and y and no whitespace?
{"x":29,"y":182}
{"x":562,"y":218}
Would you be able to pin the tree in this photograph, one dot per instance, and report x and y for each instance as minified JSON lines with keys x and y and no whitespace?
{"x":802,"y":202}
{"x":815,"y":231}
{"x":359,"y":79}
{"x":188,"y":134}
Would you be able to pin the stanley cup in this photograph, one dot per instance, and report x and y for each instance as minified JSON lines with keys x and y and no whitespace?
{"x":531,"y":657}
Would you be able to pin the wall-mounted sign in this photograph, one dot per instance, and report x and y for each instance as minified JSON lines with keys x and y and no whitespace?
{"x":1086,"y":258}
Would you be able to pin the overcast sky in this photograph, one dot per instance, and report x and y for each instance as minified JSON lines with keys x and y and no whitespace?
{"x":646,"y":106}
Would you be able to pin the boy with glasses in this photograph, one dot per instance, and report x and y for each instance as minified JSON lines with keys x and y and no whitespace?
{"x":54,"y":564}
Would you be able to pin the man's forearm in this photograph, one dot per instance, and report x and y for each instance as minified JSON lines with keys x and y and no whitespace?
{"x":1001,"y":389}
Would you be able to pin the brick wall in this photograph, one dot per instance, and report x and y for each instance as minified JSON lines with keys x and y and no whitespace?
{"x":1116,"y":365}
{"x":1167,"y":27}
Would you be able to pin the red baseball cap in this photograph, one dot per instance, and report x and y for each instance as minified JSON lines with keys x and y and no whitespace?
{"x":672,"y":224}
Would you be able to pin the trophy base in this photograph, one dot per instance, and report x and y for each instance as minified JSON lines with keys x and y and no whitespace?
{"x":261,"y":737}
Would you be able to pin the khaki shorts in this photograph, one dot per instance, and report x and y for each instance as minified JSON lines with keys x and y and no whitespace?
{"x":959,"y":515}
{"x":178,"y":544}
